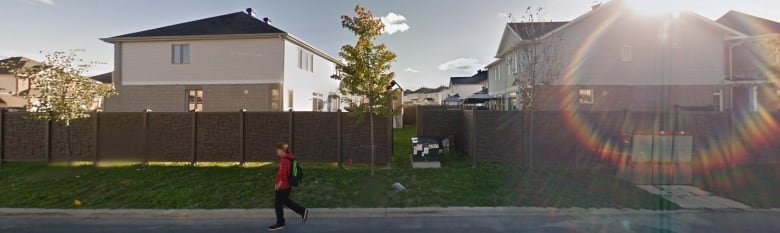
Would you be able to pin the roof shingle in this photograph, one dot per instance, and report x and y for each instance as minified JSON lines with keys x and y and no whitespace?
{"x":481,"y":76}
{"x":103,"y":78}
{"x":749,"y":24}
{"x":8,"y":64}
{"x":229,"y":24}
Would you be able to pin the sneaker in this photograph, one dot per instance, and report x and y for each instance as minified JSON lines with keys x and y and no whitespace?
{"x":276,"y":227}
{"x":305,"y":215}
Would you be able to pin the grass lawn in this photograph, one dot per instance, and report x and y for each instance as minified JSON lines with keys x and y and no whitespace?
{"x":757,"y":186}
{"x":36,"y":185}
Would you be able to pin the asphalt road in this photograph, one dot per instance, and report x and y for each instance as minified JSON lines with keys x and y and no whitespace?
{"x":655,"y":223}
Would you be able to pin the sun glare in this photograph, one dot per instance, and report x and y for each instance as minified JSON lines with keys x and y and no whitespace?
{"x":655,"y":7}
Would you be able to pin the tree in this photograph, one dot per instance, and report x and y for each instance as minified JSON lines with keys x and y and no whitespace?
{"x":534,"y":64}
{"x":366,"y":73}
{"x":59,"y":90}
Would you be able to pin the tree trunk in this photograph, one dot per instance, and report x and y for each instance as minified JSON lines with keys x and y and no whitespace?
{"x":373,"y":148}
{"x":531,"y":140}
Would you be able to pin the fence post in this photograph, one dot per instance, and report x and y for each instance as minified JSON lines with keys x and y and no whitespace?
{"x":389,"y":146}
{"x":472,"y":144}
{"x":96,"y":140}
{"x":242,"y":133}
{"x":194,"y":151}
{"x":339,"y":139}
{"x":145,"y":124}
{"x":2,"y":136}
{"x":48,"y":141}
{"x":290,"y":143}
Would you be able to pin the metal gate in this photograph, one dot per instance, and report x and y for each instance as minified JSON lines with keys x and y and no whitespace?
{"x":661,"y":158}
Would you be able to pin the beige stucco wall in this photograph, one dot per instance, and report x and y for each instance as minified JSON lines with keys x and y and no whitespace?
{"x":234,"y":61}
{"x":173,"y":98}
{"x":9,"y":84}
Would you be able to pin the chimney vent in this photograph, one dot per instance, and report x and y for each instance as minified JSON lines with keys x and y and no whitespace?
{"x":251,"y":12}
{"x":267,"y":20}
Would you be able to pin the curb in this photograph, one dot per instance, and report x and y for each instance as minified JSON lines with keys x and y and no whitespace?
{"x":323,"y":212}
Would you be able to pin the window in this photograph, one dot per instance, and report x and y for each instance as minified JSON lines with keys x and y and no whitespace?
{"x":180,"y":54}
{"x":586,"y":96}
{"x":194,"y":100}
{"x":317,"y":103}
{"x":290,"y":99}
{"x":305,"y":60}
{"x":626,"y":54}
{"x":498,"y":72}
{"x":276,"y":100}
{"x":717,"y":99}
{"x":333,"y":102}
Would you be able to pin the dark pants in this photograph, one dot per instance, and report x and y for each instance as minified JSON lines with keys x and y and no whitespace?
{"x":281,"y":199}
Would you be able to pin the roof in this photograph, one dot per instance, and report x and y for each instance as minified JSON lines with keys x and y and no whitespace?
{"x":229,"y":24}
{"x":533,"y":30}
{"x":6,"y":65}
{"x":425,"y":90}
{"x":749,"y":24}
{"x":103,"y":78}
{"x":238,"y":25}
{"x":480,"y":77}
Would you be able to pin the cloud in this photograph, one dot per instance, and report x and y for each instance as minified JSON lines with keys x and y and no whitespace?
{"x":411,"y":70}
{"x":45,"y":2}
{"x":394,"y":23}
{"x":461,"y":64}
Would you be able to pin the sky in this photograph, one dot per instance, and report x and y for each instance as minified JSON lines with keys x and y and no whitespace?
{"x":434,"y":39}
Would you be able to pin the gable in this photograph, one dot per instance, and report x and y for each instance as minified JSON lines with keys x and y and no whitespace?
{"x":749,"y":24}
{"x":508,"y":40}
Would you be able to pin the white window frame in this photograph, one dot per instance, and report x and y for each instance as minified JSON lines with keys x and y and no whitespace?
{"x":627,"y":54}
{"x":305,"y":60}
{"x":180,"y":54}
{"x":290,"y":103}
{"x":193,"y":103}
{"x":585,"y":91}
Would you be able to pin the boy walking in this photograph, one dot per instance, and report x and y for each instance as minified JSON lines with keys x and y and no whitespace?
{"x":282,"y":188}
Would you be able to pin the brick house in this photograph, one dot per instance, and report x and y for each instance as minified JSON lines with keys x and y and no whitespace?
{"x":220,"y":64}
{"x":617,"y":58}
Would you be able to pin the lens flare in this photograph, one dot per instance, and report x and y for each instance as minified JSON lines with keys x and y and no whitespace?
{"x":657,"y":7}
{"x":750,"y":133}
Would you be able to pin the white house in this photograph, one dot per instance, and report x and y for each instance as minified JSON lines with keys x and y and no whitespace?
{"x":467,"y":86}
{"x":221,"y":64}
{"x":426,"y":96}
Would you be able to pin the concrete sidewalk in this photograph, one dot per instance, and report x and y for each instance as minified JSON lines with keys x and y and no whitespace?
{"x":328,"y":213}
{"x":690,"y":197}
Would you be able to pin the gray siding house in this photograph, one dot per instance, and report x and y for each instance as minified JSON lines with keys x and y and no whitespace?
{"x":614,"y":58}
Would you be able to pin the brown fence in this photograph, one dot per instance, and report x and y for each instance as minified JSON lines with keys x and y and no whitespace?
{"x":581,"y":138}
{"x":194,"y":137}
